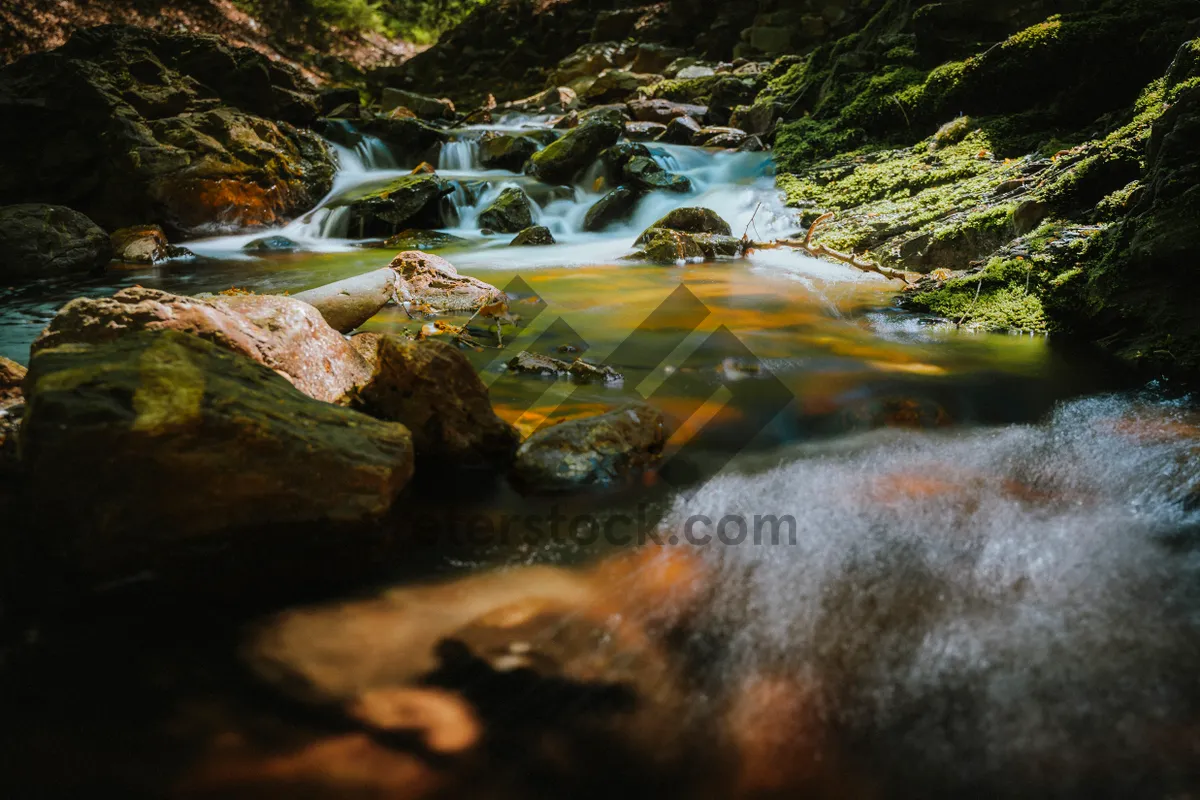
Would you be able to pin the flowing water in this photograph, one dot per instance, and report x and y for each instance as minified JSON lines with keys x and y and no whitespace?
{"x":987,"y":579}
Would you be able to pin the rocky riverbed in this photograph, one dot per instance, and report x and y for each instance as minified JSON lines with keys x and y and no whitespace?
{"x":719,"y":416}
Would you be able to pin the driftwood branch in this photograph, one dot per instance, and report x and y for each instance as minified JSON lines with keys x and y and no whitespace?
{"x":806,"y":244}
{"x":349,"y":303}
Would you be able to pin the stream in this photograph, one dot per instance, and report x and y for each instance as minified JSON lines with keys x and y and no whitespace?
{"x":990,"y":583}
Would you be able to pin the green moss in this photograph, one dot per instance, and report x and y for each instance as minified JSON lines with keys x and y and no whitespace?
{"x":690,"y":90}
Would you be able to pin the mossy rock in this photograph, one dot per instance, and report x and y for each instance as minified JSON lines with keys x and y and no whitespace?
{"x":382,"y":209}
{"x":158,"y":449}
{"x":646,"y":174}
{"x":692,"y":219}
{"x":663,"y":246}
{"x":537,"y":235}
{"x":418,"y":239}
{"x":565,"y":159}
{"x":511,"y":212}
{"x":505,"y":151}
{"x":39,"y":241}
{"x":616,"y":206}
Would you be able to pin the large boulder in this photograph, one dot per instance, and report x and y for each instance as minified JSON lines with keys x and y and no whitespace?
{"x":378,"y":210}
{"x":511,"y":212}
{"x":154,"y":449}
{"x":665,"y":246}
{"x":434,"y":390}
{"x":44,"y":241}
{"x":596,"y":451}
{"x":646,"y":174}
{"x":433,"y":282}
{"x":565,"y":159}
{"x":505,"y":151}
{"x":134,"y":127}
{"x":281,"y":333}
{"x":616,"y":206}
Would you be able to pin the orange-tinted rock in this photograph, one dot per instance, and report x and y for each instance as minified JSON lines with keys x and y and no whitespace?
{"x":433,"y":281}
{"x":282,"y":333}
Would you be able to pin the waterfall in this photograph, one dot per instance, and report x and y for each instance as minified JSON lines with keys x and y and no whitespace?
{"x":459,"y":156}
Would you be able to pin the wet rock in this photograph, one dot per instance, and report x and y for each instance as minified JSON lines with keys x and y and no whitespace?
{"x":339,"y":101}
{"x":663,"y":111}
{"x":424,"y":168}
{"x":434,"y":282}
{"x":511,"y":212}
{"x":536,"y":235}
{"x":653,"y":58}
{"x":504,"y":151}
{"x":680,"y":130}
{"x":408,"y":139}
{"x":616,"y":206}
{"x":644,"y":131}
{"x":752,"y":144}
{"x":383,"y":209}
{"x":11,"y":376}
{"x":112,"y":461}
{"x":433,"y":389}
{"x":425,"y":107}
{"x":271,"y":244}
{"x":715,"y":246}
{"x":616,"y":85}
{"x":756,"y":118}
{"x":529,"y":363}
{"x":663,"y":246}
{"x":555,"y":100}
{"x":567,"y":121}
{"x":645,"y":173}
{"x":613,"y":112}
{"x":418,"y":239}
{"x":282,"y":333}
{"x":587,"y":63}
{"x":717,"y":136}
{"x":729,"y":93}
{"x":565,"y":159}
{"x":616,"y":157}
{"x":39,"y":241}
{"x":161,"y":129}
{"x":596,"y":451}
{"x":691,"y":219}
{"x":144,"y":244}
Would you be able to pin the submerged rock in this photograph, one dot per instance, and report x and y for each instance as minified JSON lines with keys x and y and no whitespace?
{"x":424,"y":106}
{"x":511,"y":212}
{"x":144,"y":244}
{"x":645,"y":173}
{"x":155,"y":449}
{"x":536,"y":235}
{"x":40,"y":241}
{"x":271,"y":244}
{"x":565,"y":159}
{"x":433,"y":282}
{"x":384,"y":209}
{"x":616,"y":206}
{"x":597,"y":451}
{"x":529,"y":363}
{"x":505,"y":151}
{"x":435,"y":391}
{"x":282,"y":333}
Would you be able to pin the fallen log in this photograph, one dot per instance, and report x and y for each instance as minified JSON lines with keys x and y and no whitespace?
{"x":349,"y":303}
{"x":806,"y":244}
